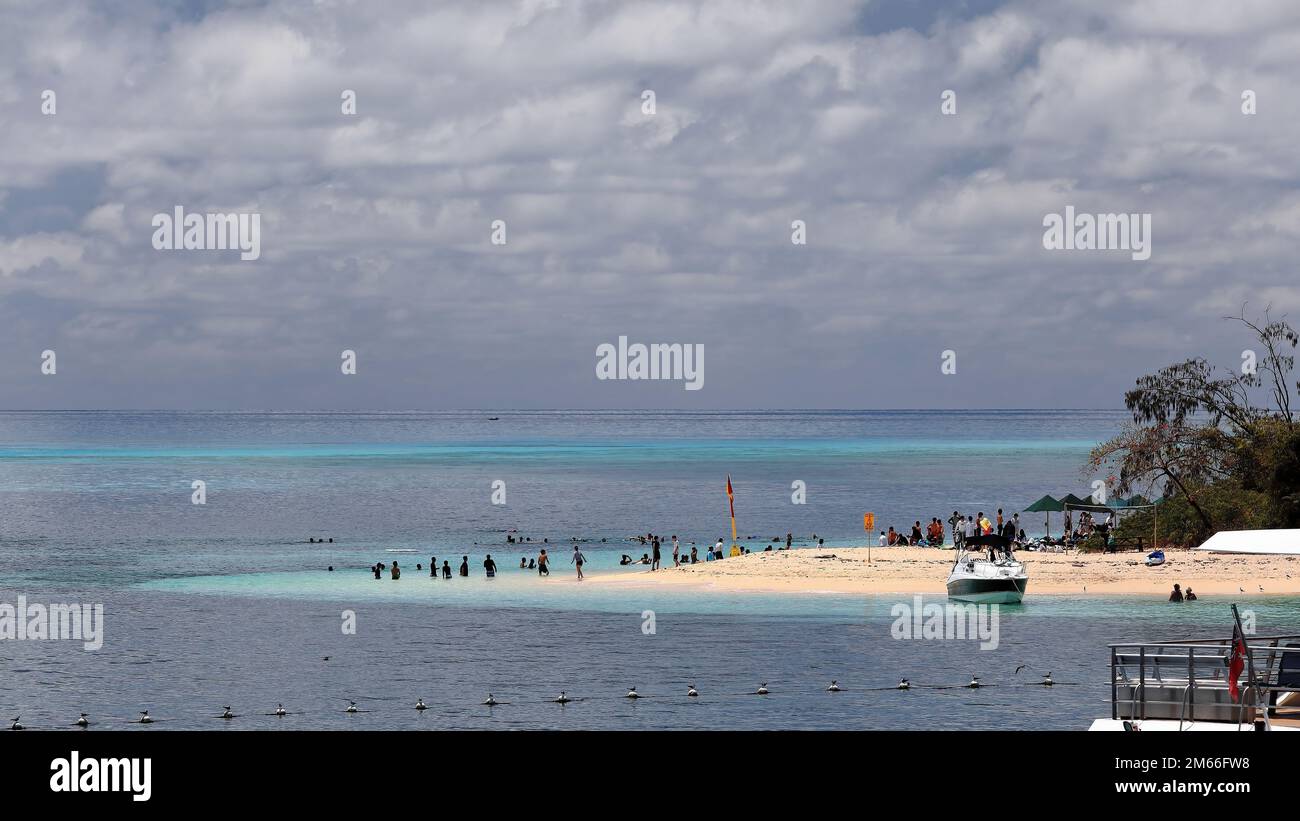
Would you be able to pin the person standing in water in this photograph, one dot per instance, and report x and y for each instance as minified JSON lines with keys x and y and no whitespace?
{"x":654,"y":563}
{"x":446,"y":569}
{"x":464,"y":565}
{"x":433,"y":567}
{"x":578,"y":559}
{"x":396,"y":571}
{"x":544,"y":562}
{"x":490,"y":566}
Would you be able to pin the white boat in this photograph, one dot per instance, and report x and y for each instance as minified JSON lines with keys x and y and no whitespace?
{"x":992,"y":577}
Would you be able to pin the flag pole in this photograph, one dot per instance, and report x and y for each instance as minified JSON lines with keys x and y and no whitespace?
{"x":731,"y":501}
{"x":1250,"y":665}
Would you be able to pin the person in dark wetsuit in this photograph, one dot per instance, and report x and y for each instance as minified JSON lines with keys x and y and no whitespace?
{"x":490,"y":566}
{"x":464,"y":565}
{"x":446,"y":569}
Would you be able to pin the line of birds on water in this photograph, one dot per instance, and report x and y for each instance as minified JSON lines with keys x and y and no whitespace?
{"x":227,"y":714}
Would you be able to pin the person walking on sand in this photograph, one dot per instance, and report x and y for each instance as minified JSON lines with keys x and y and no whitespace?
{"x":578,"y":559}
{"x":544,"y":564}
{"x":677,"y":562}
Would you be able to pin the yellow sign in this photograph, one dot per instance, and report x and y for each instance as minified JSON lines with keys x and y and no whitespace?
{"x":868,"y":522}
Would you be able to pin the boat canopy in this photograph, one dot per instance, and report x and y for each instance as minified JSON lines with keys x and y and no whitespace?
{"x":991,"y":540}
{"x":1270,"y":542}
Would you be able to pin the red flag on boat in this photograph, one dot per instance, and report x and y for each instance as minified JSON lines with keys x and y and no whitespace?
{"x":1236,"y":662}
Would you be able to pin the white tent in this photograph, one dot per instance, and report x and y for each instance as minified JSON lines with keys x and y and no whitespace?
{"x":1271,"y":542}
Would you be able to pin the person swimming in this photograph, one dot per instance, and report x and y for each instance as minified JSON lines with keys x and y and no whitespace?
{"x":532,"y":563}
{"x":523,"y":563}
{"x":625,"y":560}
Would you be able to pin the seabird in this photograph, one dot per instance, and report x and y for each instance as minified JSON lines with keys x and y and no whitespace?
{"x":352,"y":707}
{"x":834,"y":688}
{"x":420,"y":705}
{"x":632,"y":693}
{"x":227,"y":714}
{"x":692,"y":692}
{"x":1018,"y":669}
{"x":762,"y":689}
{"x":974,"y":682}
{"x":491,"y":702}
{"x":904,"y":684}
{"x":83,"y":721}
{"x":1047,"y":679}
{"x":562,"y":698}
{"x":280,"y":711}
{"x":144,"y":717}
{"x":16,"y":725}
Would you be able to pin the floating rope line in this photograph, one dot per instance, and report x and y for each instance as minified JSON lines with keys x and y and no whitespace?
{"x":835,"y":689}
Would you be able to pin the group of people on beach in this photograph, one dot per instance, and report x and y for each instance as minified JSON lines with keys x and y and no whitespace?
{"x":963,"y":527}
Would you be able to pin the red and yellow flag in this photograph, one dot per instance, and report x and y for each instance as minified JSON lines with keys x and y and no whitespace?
{"x":731,"y":501}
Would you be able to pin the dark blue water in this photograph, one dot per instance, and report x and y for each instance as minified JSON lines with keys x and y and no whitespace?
{"x":227,"y":603}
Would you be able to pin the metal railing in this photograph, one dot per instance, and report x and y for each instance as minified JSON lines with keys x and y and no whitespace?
{"x":1188,"y":681}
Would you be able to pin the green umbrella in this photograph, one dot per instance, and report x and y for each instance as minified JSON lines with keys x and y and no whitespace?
{"x":1046,"y":505}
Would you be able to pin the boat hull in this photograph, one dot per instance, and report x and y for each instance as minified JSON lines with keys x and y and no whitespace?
{"x":988,"y":591}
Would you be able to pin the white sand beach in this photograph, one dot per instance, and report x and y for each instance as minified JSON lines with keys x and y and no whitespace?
{"x":925,"y":570}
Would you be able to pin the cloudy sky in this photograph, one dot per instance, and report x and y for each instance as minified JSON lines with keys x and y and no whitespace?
{"x":924,"y":230}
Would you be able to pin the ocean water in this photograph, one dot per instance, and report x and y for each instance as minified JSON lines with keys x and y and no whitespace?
{"x":228,"y":602}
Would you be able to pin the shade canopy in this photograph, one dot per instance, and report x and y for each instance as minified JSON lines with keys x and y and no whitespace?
{"x":1046,"y":505}
{"x":1073,"y":502}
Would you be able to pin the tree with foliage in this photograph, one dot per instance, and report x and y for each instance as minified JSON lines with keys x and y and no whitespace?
{"x":1205,"y":443}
